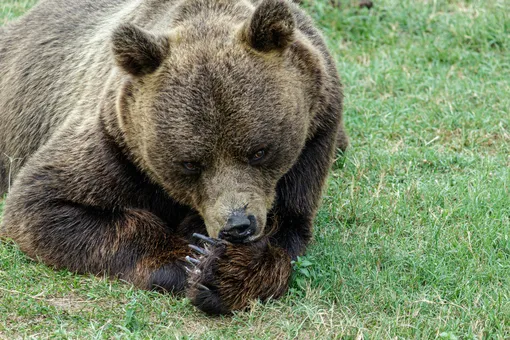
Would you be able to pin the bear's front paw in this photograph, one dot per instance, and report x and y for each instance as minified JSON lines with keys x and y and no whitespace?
{"x":203,"y":289}
{"x":226,"y":276}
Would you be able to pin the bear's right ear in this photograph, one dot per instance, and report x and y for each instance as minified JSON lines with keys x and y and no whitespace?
{"x":271,"y":26}
{"x":137,"y":51}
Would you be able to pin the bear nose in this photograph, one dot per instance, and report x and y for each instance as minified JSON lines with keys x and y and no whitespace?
{"x":239,"y":227}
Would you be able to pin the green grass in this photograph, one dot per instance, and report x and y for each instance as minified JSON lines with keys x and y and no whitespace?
{"x":413,"y":239}
{"x":10,"y":9}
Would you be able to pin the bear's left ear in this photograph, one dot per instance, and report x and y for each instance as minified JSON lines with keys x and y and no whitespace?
{"x":137,"y":51}
{"x":271,"y":26}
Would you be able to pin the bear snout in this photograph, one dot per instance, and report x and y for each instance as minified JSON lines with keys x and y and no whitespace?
{"x":239,"y":228}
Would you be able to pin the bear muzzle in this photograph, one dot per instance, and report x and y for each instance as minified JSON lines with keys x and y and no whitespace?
{"x":233,"y":220}
{"x":240,"y":227}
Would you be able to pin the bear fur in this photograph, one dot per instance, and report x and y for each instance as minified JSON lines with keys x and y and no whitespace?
{"x":127,"y":126}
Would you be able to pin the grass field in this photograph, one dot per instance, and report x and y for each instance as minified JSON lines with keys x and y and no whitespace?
{"x":413,"y":239}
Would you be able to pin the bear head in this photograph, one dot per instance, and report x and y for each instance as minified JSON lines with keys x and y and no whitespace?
{"x":218,"y":112}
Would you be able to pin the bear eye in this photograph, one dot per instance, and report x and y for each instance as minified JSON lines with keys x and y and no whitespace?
{"x":191,"y":167}
{"x":258,"y":156}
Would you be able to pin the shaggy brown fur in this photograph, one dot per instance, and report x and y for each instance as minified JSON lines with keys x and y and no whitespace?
{"x":130,"y":125}
{"x":336,"y":3}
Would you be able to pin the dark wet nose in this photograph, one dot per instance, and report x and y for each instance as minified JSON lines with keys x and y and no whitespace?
{"x":239,"y":227}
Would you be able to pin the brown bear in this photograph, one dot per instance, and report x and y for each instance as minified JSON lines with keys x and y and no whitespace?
{"x":130,"y":126}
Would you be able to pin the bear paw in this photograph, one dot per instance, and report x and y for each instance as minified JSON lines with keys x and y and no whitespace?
{"x":203,"y":290}
{"x":225,"y":276}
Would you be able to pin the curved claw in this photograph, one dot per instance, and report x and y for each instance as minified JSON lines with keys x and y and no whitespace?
{"x":192,"y":260}
{"x":206,"y":239}
{"x":201,"y":286}
{"x":192,"y":271}
{"x":199,"y":250}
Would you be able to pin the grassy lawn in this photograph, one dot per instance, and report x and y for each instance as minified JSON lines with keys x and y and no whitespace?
{"x":413,"y":239}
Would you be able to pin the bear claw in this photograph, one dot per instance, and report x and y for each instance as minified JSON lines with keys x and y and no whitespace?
{"x":192,"y":260}
{"x":206,"y":239}
{"x":201,"y":286}
{"x":199,"y":250}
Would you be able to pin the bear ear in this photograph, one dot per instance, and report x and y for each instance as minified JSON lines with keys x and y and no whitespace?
{"x":137,"y":51}
{"x":271,"y":26}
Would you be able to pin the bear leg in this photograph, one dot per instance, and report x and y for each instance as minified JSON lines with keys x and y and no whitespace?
{"x":132,"y":244}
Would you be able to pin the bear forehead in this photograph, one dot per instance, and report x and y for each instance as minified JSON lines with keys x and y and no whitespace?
{"x":227,"y":90}
{"x":196,"y":117}
{"x":235,"y":114}
{"x":228,"y":60}
{"x":225,"y":97}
